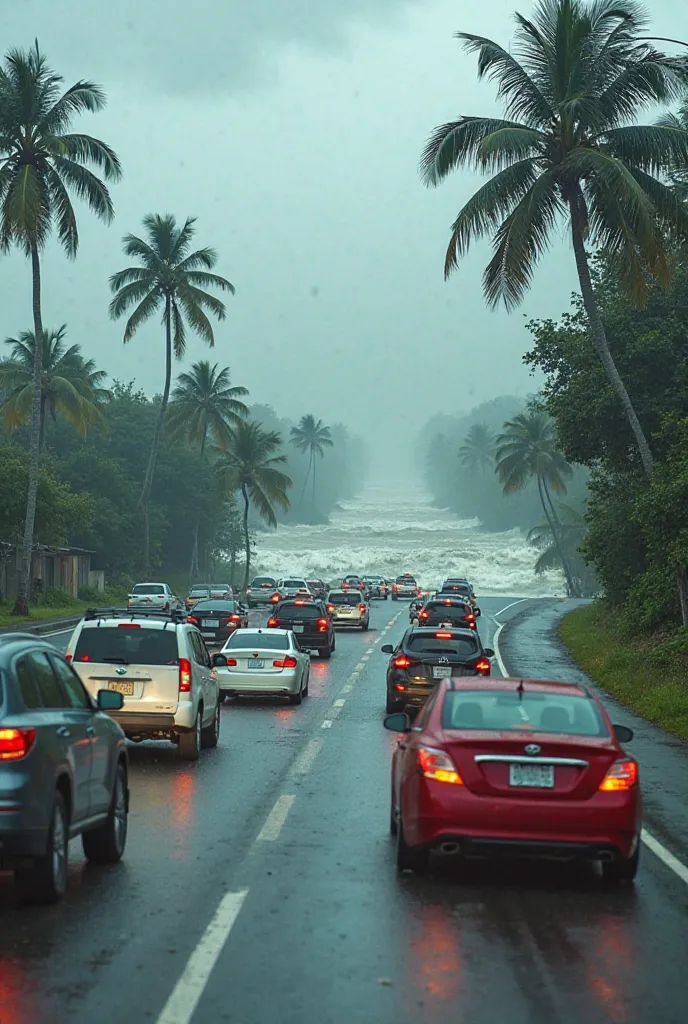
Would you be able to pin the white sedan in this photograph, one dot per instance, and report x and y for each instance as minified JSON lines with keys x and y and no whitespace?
{"x":263,"y":661}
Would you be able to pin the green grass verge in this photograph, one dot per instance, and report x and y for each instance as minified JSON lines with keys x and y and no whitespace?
{"x":58,"y":610}
{"x":648,"y":675}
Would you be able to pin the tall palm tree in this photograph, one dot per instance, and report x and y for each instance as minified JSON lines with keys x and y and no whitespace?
{"x":572,"y":529}
{"x":41,"y":164}
{"x":526,"y":451}
{"x":311,"y":436}
{"x":204,"y":402}
{"x":478,"y":449}
{"x":174,"y":279}
{"x":251,"y":466}
{"x":572,"y":84}
{"x":71,"y":386}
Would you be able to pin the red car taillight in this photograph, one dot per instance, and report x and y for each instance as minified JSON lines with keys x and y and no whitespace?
{"x":68,"y":658}
{"x":16,"y":743}
{"x":184,"y":675}
{"x":192,"y":620}
{"x":402,"y":661}
{"x":288,"y":662}
{"x":235,"y":618}
{"x":622,"y":775}
{"x":322,"y":625}
{"x":231,"y":662}
{"x":424,"y":615}
{"x":361,"y":607}
{"x":483,"y":666}
{"x":330,"y":607}
{"x":275,"y":598}
{"x":272,"y":623}
{"x":435,"y":764}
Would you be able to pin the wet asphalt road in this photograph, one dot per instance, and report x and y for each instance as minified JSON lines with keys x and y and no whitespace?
{"x":284,"y":828}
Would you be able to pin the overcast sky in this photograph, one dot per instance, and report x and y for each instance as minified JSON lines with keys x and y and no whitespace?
{"x":293,"y":132}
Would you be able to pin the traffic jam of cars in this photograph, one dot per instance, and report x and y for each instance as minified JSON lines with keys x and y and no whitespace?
{"x":482,"y":765}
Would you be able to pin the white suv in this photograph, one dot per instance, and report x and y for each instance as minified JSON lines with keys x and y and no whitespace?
{"x":158,"y":596}
{"x":290,"y":586}
{"x":160,"y":665}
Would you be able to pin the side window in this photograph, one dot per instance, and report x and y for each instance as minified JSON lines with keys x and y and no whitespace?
{"x":45,"y":679}
{"x":27,"y":686}
{"x":76,"y":692}
{"x":197,"y":647}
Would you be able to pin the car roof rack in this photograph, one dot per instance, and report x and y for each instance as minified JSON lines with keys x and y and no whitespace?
{"x":173,"y":615}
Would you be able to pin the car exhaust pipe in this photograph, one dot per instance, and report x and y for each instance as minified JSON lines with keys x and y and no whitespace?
{"x":606,"y":855}
{"x":449,"y":849}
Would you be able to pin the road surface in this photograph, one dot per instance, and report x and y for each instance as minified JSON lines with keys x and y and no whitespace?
{"x":259,"y":887}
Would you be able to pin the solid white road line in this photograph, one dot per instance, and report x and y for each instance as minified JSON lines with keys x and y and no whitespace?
{"x":507,"y":606}
{"x":339,"y":703}
{"x":276,"y":819}
{"x":304,"y":762}
{"x":186,"y":994}
{"x":665,"y":855}
{"x":327,"y":724}
{"x":498,"y":654}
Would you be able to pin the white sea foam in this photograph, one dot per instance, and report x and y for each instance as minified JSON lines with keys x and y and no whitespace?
{"x":389,"y":531}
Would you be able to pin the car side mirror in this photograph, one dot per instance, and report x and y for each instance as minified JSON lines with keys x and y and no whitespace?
{"x":387,"y":649}
{"x":400,"y":722}
{"x":488,"y":652}
{"x":109,"y":700}
{"x":477,"y":612}
{"x":218,"y":661}
{"x":623,"y":733}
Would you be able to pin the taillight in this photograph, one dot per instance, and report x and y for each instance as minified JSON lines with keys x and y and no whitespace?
{"x":129,"y":625}
{"x":622,"y":775}
{"x":16,"y":743}
{"x":288,"y":662}
{"x":231,"y":662}
{"x":184,"y":675}
{"x":272,"y":623}
{"x":275,"y":599}
{"x":361,"y":607}
{"x":235,"y":618}
{"x":68,"y":659}
{"x":483,"y":666}
{"x":402,"y":661}
{"x":322,"y":624}
{"x":192,"y":620}
{"x":435,"y":764}
{"x":330,"y":607}
{"x":424,"y":615}
{"x":470,"y":617}
{"x":443,"y":636}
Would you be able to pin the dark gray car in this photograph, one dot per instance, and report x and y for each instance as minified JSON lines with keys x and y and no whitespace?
{"x":63,"y":769}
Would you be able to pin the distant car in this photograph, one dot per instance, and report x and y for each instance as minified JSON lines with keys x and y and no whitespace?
{"x":63,"y":769}
{"x":290,"y":586}
{"x":218,"y":619}
{"x":222,"y":590}
{"x":155,"y":596}
{"x":508,"y":766}
{"x":354,"y":582}
{"x":348,"y":608}
{"x":415,"y":608}
{"x":318,"y":588}
{"x":404,"y":587}
{"x":423,"y":656}
{"x":447,"y":611}
{"x":377,"y":586}
{"x":459,"y":588}
{"x":199,"y":592}
{"x":309,"y":621}
{"x":260,"y":590}
{"x":257,"y":661}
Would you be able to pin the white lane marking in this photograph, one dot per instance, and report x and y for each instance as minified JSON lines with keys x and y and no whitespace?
{"x":507,"y":606}
{"x":186,"y":994}
{"x":370,"y":650}
{"x":498,"y":654}
{"x":304,"y":762}
{"x":339,"y":703}
{"x":665,"y":855}
{"x":327,"y":724}
{"x":359,"y":667}
{"x":276,"y":819}
{"x":58,"y":632}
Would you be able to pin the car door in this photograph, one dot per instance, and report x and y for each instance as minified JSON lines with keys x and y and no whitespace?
{"x":405,"y":761}
{"x":203,"y":672}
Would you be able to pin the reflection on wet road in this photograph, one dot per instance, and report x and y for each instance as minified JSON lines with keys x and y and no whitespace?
{"x":328,"y":932}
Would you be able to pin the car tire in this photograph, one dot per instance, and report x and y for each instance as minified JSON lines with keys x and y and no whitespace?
{"x":166,"y":608}
{"x":325,"y":652}
{"x":190,"y":742}
{"x":393,"y":826}
{"x":410,"y":858}
{"x":105,"y":844}
{"x":394,"y":597}
{"x":616,"y":872}
{"x":211,"y":734}
{"x":46,"y":880}
{"x":308,"y":683}
{"x":334,"y":643}
{"x":393,"y":704}
{"x":296,"y":698}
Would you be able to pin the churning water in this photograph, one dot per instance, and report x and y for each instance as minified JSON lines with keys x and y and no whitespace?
{"x":390,"y":531}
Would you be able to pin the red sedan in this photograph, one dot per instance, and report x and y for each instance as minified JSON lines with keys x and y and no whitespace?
{"x":515,"y":767}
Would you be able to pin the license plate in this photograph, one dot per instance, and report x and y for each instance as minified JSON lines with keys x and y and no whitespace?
{"x":537,"y":776}
{"x":126,"y":689}
{"x":445,"y":625}
{"x":298,"y":629}
{"x":256,"y":663}
{"x":441,"y":671}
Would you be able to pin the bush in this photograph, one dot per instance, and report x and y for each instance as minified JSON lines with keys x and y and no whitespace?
{"x":56,"y":598}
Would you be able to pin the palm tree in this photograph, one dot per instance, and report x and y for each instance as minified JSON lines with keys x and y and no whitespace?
{"x":572,"y":529}
{"x":71,"y":386}
{"x":526,"y":450}
{"x":41,"y":164}
{"x":173,"y":279}
{"x":571,"y":85}
{"x":314,"y":437}
{"x":204,"y":402}
{"x":478,"y":449}
{"x":251,"y":466}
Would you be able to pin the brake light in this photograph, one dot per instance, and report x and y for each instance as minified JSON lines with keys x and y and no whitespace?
{"x":622,"y":775}
{"x":484,"y":666}
{"x":235,"y":618}
{"x":231,"y":662}
{"x":435,"y":764}
{"x":395,"y":587}
{"x":299,"y":604}
{"x":470,"y":616}
{"x":275,"y":598}
{"x":16,"y":743}
{"x":361,"y":607}
{"x":192,"y":620}
{"x":448,"y":603}
{"x":128,"y":625}
{"x":322,"y":625}
{"x":272,"y":623}
{"x":402,"y":661}
{"x":330,"y":607}
{"x":443,"y":636}
{"x":425,"y":615}
{"x":288,"y":662}
{"x":68,"y":659}
{"x":184,"y":675}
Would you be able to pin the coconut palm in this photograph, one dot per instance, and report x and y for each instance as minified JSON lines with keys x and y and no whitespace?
{"x":526,"y":450}
{"x":311,"y":436}
{"x":478,"y":449}
{"x":71,"y":385}
{"x":572,"y":529}
{"x":42,"y":164}
{"x":173,"y":279}
{"x":571,"y":85}
{"x":204,"y":403}
{"x":251,"y":466}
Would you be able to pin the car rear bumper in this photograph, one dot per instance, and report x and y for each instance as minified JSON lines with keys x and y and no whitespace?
{"x":313,"y":641}
{"x":155,"y":724}
{"x":348,"y":620}
{"x":284,"y":682}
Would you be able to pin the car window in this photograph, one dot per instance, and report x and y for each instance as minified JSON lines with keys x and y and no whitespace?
{"x":148,"y":588}
{"x":263,"y":581}
{"x":294,"y":583}
{"x":74,"y":688}
{"x":215,"y":604}
{"x":351,"y":599}
{"x":270,"y":641}
{"x":503,"y":710}
{"x":300,"y":611}
{"x":127,"y":644}
{"x":196,"y":647}
{"x":51,"y":693}
{"x":449,"y":611}
{"x":442,"y":645}
{"x":27,"y":685}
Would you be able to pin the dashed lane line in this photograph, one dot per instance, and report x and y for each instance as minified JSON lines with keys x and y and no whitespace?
{"x":339,"y":703}
{"x":306,"y":759}
{"x":327,"y":724}
{"x":276,"y":819}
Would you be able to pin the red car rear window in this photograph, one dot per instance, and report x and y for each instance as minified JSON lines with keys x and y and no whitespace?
{"x":502,"y":710}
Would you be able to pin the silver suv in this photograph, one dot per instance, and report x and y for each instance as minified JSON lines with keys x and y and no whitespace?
{"x":157,"y":596}
{"x":160,"y":665}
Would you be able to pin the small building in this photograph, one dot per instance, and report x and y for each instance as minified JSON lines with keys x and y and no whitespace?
{"x":51,"y":569}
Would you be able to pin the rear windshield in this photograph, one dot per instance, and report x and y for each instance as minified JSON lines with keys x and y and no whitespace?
{"x":450,"y":611}
{"x":542,"y":712}
{"x":457,"y":588}
{"x":301,"y":611}
{"x":263,"y":581}
{"x":406,"y":580}
{"x":127,"y":645}
{"x":254,"y":641}
{"x":294,"y":583}
{"x":351,"y":599}
{"x":148,"y":588}
{"x":431,"y":645}
{"x":200,"y":590}
{"x":216,"y":606}
{"x":223,"y":587}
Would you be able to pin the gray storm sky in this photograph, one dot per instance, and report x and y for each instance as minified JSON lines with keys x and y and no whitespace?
{"x":293,"y":132}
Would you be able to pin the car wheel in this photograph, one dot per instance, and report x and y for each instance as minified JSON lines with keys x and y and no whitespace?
{"x":46,"y":880}
{"x":325,"y":652}
{"x":105,"y":844}
{"x":166,"y":608}
{"x":211,"y":734}
{"x":393,"y":704}
{"x":410,"y":858}
{"x":393,"y":827}
{"x":308,"y":683}
{"x":296,"y":698}
{"x":622,"y":870}
{"x":394,"y":597}
{"x":334,"y":643}
{"x":190,"y":742}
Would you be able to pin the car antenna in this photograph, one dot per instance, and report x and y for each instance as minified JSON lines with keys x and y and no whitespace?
{"x":519,"y":689}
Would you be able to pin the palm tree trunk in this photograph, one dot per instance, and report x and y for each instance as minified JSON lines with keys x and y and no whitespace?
{"x":144,"y":500}
{"x":247,"y":540}
{"x":21,"y":605}
{"x":194,"y":571}
{"x":313,"y":493}
{"x":41,"y":442}
{"x":544,"y":495}
{"x":305,"y":482}
{"x":599,"y":336}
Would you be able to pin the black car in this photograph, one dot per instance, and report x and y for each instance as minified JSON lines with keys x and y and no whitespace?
{"x":217,"y":619}
{"x":310,"y":622}
{"x":318,"y":588}
{"x":63,"y":769}
{"x":377,"y":587}
{"x":426,"y":655}
{"x":459,"y":588}
{"x":447,"y":611}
